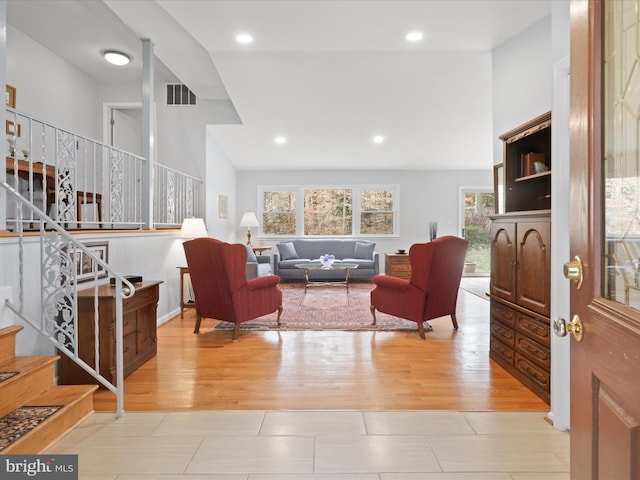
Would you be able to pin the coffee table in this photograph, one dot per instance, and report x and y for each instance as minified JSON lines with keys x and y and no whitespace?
{"x":347,"y":267}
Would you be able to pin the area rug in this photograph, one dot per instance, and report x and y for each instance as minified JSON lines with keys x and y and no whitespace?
{"x":325,"y":308}
{"x":7,"y":375}
{"x":21,"y":421}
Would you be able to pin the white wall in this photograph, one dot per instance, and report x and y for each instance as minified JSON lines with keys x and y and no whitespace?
{"x":221,"y":179}
{"x":49,"y":88}
{"x":425,"y":196}
{"x":522,"y":80}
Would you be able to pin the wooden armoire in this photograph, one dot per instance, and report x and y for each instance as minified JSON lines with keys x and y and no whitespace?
{"x":521,"y":258}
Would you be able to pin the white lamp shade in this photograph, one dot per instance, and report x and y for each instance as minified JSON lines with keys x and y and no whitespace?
{"x":249,"y":219}
{"x":193,"y":228}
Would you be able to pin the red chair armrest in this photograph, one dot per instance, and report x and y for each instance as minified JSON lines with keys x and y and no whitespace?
{"x":387,"y":281}
{"x":263,"y":282}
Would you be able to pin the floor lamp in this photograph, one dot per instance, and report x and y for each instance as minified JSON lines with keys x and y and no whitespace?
{"x":249,"y":220}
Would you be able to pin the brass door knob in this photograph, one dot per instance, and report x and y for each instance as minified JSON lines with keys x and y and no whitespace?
{"x":573,"y":271}
{"x":561,"y":328}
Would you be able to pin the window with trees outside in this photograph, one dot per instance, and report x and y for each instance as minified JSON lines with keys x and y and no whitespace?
{"x":364,"y":210}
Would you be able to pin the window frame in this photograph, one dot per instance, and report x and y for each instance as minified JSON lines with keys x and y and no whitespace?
{"x":356,"y":208}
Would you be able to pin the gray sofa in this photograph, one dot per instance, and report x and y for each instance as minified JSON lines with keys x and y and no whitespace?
{"x":290,"y":253}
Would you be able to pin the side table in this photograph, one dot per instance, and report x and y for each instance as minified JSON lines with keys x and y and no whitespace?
{"x":183,"y":304}
{"x":259,"y":250}
{"x":397,"y":265}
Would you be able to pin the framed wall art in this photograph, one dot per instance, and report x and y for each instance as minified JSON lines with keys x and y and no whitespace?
{"x":86,"y":267}
{"x":11,"y":96}
{"x":223,"y":206}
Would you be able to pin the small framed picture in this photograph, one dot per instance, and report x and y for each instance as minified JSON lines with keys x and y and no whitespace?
{"x":11,"y":128}
{"x":88,"y":269}
{"x":11,"y":96}
{"x":223,"y":206}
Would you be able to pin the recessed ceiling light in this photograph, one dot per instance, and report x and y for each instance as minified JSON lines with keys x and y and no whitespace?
{"x":415,"y":36}
{"x":244,"y":38}
{"x":116,"y":58}
{"x":280,"y":140}
{"x":378,"y":139}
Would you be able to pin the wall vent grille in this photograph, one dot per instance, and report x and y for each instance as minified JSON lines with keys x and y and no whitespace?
{"x":179,"y":94}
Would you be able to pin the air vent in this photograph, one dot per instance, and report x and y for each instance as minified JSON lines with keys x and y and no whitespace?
{"x":179,"y":94}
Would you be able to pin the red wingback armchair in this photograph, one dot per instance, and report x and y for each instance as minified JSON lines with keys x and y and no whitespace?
{"x":220,"y":286}
{"x":436,"y":270}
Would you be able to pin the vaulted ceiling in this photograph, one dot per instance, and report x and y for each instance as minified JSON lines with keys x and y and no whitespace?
{"x":326,"y":75}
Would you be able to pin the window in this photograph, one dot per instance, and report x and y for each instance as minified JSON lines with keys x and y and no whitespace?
{"x":279,"y":212}
{"x":329,"y":211}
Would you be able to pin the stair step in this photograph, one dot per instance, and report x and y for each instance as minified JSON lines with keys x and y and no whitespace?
{"x":77,"y":401}
{"x":8,"y":343}
{"x":35,"y":376}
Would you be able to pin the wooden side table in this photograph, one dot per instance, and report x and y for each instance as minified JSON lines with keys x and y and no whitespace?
{"x":259,"y":250}
{"x":183,"y":305}
{"x":397,"y":265}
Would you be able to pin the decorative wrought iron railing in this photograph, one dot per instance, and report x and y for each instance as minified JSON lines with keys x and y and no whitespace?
{"x":59,"y":253}
{"x":176,"y":196}
{"x":83,"y":183}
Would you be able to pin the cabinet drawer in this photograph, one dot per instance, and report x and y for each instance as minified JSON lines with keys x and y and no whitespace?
{"x":503,"y":314}
{"x":533,"y":351}
{"x":504,"y":352}
{"x":539,"y":331}
{"x":504,"y":334}
{"x":533,"y":372}
{"x":140,"y":299}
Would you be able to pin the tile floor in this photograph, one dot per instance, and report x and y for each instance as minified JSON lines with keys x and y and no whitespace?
{"x":318,"y":445}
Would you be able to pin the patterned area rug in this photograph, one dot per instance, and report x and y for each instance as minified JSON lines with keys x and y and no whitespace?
{"x":7,"y":375}
{"x":21,"y":421}
{"x":325,"y":308}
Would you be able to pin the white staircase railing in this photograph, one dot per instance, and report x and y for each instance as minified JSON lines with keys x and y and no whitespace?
{"x":59,"y":292}
{"x":83,"y":183}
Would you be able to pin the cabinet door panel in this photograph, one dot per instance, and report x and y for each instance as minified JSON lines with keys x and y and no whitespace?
{"x":503,"y":260}
{"x":146,"y":328}
{"x":534,"y":263}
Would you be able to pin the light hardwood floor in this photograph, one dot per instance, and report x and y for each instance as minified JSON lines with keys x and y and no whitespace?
{"x":291,"y":370}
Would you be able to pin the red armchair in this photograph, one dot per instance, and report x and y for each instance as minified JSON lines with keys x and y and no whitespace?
{"x":436,"y":270}
{"x":220,"y":286}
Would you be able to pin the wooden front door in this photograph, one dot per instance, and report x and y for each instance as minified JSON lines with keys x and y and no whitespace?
{"x":605,"y":234}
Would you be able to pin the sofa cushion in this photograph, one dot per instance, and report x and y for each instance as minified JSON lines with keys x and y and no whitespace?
{"x":292,"y":262}
{"x":251,"y":255}
{"x":364,"y":250}
{"x":287,"y":251}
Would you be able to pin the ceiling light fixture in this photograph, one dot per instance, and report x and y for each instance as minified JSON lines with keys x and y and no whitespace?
{"x":280,"y":140}
{"x":378,"y":139}
{"x":244,"y":38}
{"x":116,"y":58}
{"x":415,"y":36}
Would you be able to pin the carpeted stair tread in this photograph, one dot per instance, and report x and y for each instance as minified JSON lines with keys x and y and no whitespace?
{"x":76,"y":402}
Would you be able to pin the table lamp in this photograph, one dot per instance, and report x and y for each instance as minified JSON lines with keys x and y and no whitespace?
{"x":249,"y":220}
{"x":193,"y":228}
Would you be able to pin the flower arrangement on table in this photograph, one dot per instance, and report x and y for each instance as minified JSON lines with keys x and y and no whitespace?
{"x":327,"y":260}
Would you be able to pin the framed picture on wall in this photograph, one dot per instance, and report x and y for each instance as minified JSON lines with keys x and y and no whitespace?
{"x":88,"y":269}
{"x":11,"y":96}
{"x":223,"y":206}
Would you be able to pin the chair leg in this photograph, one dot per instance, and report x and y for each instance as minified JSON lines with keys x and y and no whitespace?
{"x":279,"y":314}
{"x":373,"y":312}
{"x":236,"y":331}
{"x":198,"y":320}
{"x":421,"y":330}
{"x":454,"y":321}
